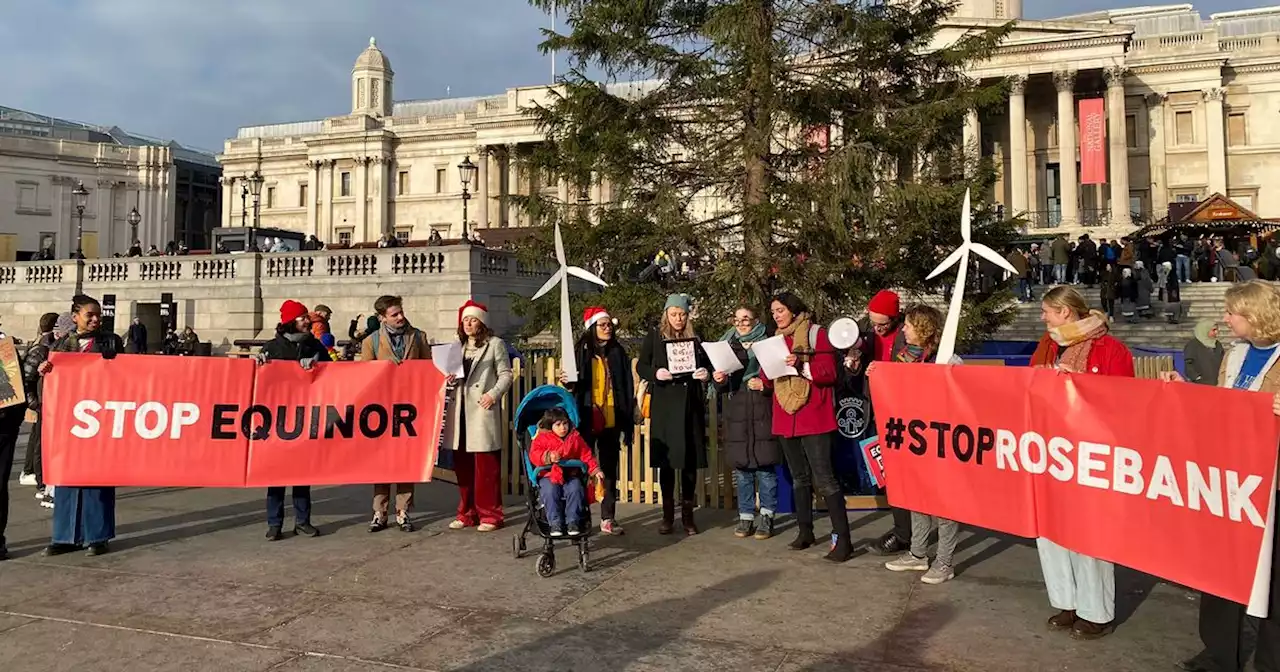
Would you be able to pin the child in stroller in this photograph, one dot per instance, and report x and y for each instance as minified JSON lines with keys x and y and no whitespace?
{"x":561,"y":487}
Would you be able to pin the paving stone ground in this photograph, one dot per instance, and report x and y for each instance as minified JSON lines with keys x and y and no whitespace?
{"x":192,"y":585}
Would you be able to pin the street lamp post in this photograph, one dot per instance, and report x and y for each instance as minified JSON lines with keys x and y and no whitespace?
{"x":134,"y":218}
{"x":244,"y":205}
{"x":255,"y":189}
{"x":82,"y":199}
{"x":467,"y":172}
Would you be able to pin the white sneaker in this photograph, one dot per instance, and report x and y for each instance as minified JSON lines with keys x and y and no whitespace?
{"x":907,"y":563}
{"x":457,"y":525}
{"x":47,"y":501}
{"x":27,"y":479}
{"x":938,"y":573}
{"x":486,"y":527}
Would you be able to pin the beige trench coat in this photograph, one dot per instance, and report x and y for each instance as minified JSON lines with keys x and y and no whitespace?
{"x":490,"y":373}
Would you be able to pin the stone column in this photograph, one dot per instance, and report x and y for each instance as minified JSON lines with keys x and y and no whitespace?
{"x":1155,"y":153}
{"x":326,"y":202}
{"x":102,"y":216}
{"x":378,"y":187}
{"x":513,"y":186}
{"x":362,"y":201}
{"x":1119,"y":146}
{"x":1018,"y":194}
{"x":228,"y":191}
{"x":313,"y":183}
{"x":1215,"y":123}
{"x":972,"y":141}
{"x":482,"y":179}
{"x":1068,"y":190}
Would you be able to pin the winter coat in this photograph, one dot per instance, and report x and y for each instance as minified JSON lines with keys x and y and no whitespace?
{"x":319,"y":325}
{"x":624,"y":390}
{"x":818,"y":415}
{"x":1269,"y":378}
{"x":677,"y":408}
{"x":490,"y":374}
{"x":32,"y":381}
{"x":1088,"y":250}
{"x":1060,"y":251}
{"x":748,"y":420}
{"x":138,"y":337}
{"x":1019,"y":263}
{"x":417,"y":346}
{"x":1107,"y":357}
{"x":106,"y":344}
{"x":281,"y":349}
{"x":571,"y":447}
{"x":1126,"y":255}
{"x":1203,"y":362}
{"x":1110,"y":284}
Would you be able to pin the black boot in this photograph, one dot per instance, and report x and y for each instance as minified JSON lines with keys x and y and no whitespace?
{"x":686,"y":518}
{"x":668,"y":515}
{"x":840,"y":525}
{"x":804,"y":519}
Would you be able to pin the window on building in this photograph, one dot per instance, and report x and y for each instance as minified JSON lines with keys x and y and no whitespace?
{"x":1184,"y":127}
{"x":1235,"y":130}
{"x":346,"y":185}
{"x":442,"y":174}
{"x":442,"y":229}
{"x":271,"y":197}
{"x":1244,"y":199}
{"x":1187,"y":197}
{"x":302,"y":195}
{"x":402,"y":183}
{"x":403,"y":232}
{"x":344,"y":236}
{"x":1131,"y":130}
{"x":28,"y":193}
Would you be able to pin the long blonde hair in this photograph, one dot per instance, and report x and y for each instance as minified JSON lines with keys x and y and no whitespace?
{"x":670,"y":334}
{"x":1067,"y":297}
{"x":1257,"y":302}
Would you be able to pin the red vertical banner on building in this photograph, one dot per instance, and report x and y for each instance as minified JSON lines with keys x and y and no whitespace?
{"x":1093,"y":141}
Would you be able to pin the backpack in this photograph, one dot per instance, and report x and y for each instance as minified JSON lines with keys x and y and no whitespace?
{"x":376,"y":338}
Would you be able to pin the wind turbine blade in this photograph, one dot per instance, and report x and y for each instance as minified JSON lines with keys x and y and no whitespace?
{"x":951,"y":326}
{"x":948,"y":262}
{"x":586,"y":275}
{"x":965,"y":225}
{"x":551,"y":284}
{"x":568,"y":363}
{"x":559,"y":247}
{"x":990,"y":255}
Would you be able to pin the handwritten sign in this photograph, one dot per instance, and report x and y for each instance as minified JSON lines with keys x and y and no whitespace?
{"x":11,"y":392}
{"x":682,"y":357}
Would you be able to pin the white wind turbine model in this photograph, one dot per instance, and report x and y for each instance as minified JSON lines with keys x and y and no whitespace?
{"x":947,"y":347}
{"x":570,"y":365}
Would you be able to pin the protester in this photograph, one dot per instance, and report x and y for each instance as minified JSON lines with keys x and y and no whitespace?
{"x":33,"y":386}
{"x":331,"y":347}
{"x":677,"y":431}
{"x":1203,"y":354}
{"x":293,"y":342}
{"x":476,"y":417}
{"x":1078,"y":341}
{"x":606,"y":398}
{"x":136,"y":337}
{"x":320,"y":320}
{"x":11,"y":419}
{"x":922,"y":331}
{"x":748,"y":428}
{"x":562,"y":493}
{"x":396,"y":341}
{"x":804,"y":420}
{"x":84,"y":516}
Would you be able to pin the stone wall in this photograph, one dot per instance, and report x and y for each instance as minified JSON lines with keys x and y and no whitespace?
{"x":237,"y":296}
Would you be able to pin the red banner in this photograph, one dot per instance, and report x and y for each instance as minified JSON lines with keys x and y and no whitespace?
{"x":141,"y":420}
{"x":1130,"y":471}
{"x":1093,"y":142}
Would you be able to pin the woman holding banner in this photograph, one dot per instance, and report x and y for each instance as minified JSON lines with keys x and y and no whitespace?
{"x":476,"y":416}
{"x":676,"y":368}
{"x":1253,"y":315}
{"x":84,"y":516}
{"x":1081,"y":587}
{"x":804,"y":419}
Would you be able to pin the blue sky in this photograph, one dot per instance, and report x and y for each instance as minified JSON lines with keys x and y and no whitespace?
{"x":195,"y":71}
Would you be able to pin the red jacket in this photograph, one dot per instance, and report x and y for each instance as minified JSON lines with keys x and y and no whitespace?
{"x":1107,"y":357}
{"x":571,"y":447}
{"x":818,"y":415}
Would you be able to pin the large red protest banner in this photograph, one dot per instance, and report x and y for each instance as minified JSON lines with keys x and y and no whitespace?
{"x":141,"y":420}
{"x":1172,"y":479}
{"x":1093,"y":142}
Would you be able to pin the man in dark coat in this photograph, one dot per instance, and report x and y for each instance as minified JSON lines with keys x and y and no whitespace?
{"x":137,"y":337}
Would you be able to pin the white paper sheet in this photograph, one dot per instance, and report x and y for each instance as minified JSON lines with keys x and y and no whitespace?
{"x":722,"y":356}
{"x":772,"y":354}
{"x":682,"y":357}
{"x":448,"y":358}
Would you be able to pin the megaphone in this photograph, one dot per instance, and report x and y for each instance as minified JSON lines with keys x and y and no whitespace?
{"x":843,"y":333}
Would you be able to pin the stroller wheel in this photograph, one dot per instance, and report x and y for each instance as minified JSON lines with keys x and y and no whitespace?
{"x":582,"y":561}
{"x":546,"y":565}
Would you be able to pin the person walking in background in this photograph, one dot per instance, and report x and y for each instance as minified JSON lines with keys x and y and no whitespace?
{"x":136,"y":337}
{"x":677,"y":431}
{"x":475,"y":419}
{"x":396,"y":341}
{"x":1082,"y":588}
{"x":804,"y":420}
{"x":922,"y":329}
{"x":84,"y":517}
{"x":606,"y":399}
{"x":748,"y":428}
{"x":293,"y":342}
{"x":33,"y":386}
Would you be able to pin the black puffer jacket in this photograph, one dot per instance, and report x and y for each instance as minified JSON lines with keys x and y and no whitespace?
{"x":283,"y":349}
{"x":32,"y":381}
{"x":748,"y":421}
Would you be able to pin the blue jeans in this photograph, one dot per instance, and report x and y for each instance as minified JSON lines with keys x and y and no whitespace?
{"x":1182,"y":264}
{"x":750,"y":481}
{"x":1060,"y":274}
{"x":275,"y":505}
{"x":562,"y":502}
{"x":1024,"y":288}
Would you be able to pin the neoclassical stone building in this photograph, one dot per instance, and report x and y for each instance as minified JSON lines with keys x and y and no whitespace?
{"x":1189,"y":107}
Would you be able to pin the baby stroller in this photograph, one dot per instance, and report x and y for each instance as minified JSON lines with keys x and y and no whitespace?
{"x":530,"y":411}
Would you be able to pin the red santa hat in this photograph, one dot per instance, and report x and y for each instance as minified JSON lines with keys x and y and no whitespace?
{"x":473,"y":309}
{"x":593,"y":314}
{"x":291,"y":310}
{"x":884,"y":303}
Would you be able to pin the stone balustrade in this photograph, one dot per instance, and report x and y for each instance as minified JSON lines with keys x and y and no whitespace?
{"x":236,"y":296}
